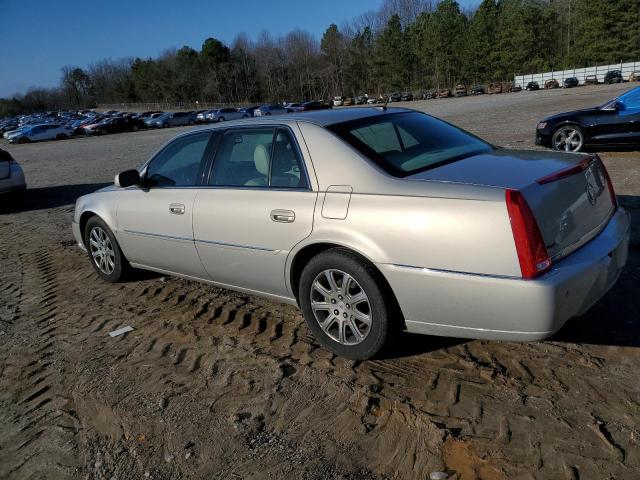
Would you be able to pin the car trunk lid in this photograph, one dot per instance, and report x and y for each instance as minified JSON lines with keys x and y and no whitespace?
{"x":568,"y":194}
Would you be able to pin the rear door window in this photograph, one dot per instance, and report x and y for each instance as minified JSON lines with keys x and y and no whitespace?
{"x":258,"y":157}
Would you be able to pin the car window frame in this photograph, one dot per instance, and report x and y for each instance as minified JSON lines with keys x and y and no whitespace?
{"x":204,"y":160}
{"x":276,"y":127}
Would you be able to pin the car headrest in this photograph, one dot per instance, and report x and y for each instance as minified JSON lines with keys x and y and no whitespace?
{"x":261,"y":159}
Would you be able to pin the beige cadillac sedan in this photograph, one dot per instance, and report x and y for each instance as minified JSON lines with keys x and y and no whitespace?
{"x":372,"y":221}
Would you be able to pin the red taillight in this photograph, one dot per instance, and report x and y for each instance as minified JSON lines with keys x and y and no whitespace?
{"x":567,"y":172}
{"x":614,"y":199}
{"x":532,"y":252}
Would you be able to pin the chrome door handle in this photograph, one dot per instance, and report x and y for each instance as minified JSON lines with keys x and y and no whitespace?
{"x":176,"y":208}
{"x":283,"y":216}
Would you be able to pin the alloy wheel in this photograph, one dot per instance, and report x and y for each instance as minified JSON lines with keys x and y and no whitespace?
{"x":568,"y":139}
{"x":102,"y":250}
{"x":341,"y":307}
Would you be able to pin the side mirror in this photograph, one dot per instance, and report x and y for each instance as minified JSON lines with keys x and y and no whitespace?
{"x":127,"y":178}
{"x":619,"y":106}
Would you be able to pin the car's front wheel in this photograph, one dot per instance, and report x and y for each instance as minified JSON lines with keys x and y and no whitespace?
{"x":104,"y":252}
{"x":343,"y":304}
{"x":568,"y":138}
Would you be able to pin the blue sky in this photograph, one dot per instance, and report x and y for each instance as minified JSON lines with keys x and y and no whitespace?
{"x":40,"y":36}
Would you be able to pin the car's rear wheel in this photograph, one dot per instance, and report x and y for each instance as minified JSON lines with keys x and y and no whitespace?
{"x":343,"y":304}
{"x":568,"y":138}
{"x":104,"y":252}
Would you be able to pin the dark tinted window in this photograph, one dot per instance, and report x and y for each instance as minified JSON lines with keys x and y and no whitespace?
{"x":179,"y":164}
{"x":406,"y":143}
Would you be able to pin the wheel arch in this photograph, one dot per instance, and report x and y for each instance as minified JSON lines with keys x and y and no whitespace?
{"x":306,"y":253}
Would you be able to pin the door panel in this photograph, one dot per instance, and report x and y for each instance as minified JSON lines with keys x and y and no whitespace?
{"x":612,"y":127}
{"x":153,"y":233}
{"x":242,"y":242}
{"x":155,"y":225}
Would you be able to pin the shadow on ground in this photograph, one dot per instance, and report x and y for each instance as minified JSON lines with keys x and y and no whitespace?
{"x":47,"y":197}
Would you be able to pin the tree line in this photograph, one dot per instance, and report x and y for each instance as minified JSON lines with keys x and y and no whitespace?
{"x":405,"y":45}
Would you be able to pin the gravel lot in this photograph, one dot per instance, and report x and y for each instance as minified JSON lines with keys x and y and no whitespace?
{"x":215,"y":384}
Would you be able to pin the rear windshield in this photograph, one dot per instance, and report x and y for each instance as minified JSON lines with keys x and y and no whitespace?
{"x":410,"y":142}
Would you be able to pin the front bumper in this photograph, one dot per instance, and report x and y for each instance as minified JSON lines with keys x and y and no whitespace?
{"x":77,"y":235}
{"x":503,"y":308}
{"x":543,"y":138}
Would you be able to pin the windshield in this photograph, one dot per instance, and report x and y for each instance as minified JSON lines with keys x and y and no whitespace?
{"x":630,"y":97}
{"x":407,"y":143}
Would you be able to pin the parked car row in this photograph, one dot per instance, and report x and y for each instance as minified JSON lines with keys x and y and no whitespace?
{"x":62,"y":125}
{"x":613,"y":76}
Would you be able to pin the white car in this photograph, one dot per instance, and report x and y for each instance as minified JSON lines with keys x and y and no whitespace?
{"x":44,"y":131}
{"x":338,"y":101}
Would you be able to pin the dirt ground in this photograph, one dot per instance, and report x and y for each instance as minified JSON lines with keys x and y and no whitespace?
{"x":220,"y":385}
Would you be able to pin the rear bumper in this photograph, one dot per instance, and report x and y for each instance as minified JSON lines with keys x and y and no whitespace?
{"x":504,"y":308}
{"x":15,"y":182}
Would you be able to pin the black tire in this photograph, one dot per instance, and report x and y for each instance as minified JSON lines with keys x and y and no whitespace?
{"x":121,"y":267}
{"x":380,"y":309}
{"x":165,"y":125}
{"x":61,"y":136}
{"x":191,"y":122}
{"x":24,"y":140}
{"x":221,"y":119}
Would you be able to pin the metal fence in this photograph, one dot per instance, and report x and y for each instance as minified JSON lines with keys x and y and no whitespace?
{"x":580,"y":73}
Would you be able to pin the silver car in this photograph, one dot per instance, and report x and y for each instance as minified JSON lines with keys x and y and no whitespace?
{"x":371,"y":220}
{"x":38,"y":132}
{"x":11,"y":175}
{"x":223,"y":114}
{"x":268,"y":110}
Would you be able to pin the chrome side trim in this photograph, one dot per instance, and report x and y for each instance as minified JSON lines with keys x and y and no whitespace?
{"x":223,"y":244}
{"x":455,"y":272}
{"x":208,"y":242}
{"x":157,"y":235}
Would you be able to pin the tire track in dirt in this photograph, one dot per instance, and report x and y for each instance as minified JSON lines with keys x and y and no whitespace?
{"x":39,"y":421}
{"x":205,"y":364}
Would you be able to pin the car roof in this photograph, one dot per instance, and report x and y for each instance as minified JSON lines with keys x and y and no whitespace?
{"x":328,"y":117}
